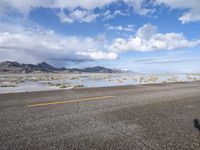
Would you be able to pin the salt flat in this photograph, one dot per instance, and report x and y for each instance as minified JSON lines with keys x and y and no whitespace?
{"x":11,"y":83}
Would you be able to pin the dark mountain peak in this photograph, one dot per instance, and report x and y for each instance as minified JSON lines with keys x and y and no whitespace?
{"x":46,"y":67}
{"x":10,"y":63}
{"x":44,"y":63}
{"x":99,"y":69}
{"x":15,"y":67}
{"x":50,"y":68}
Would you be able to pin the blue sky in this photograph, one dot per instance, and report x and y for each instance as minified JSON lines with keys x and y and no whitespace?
{"x":137,"y":35}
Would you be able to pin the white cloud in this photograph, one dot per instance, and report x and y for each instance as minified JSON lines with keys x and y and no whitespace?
{"x":190,"y":17}
{"x":77,"y":15}
{"x":119,"y":12}
{"x":43,"y":45}
{"x":148,"y":39}
{"x":108,"y":15}
{"x":25,"y":6}
{"x":164,"y":60}
{"x":86,"y":4}
{"x":192,"y":7}
{"x":127,"y":28}
{"x":138,"y":6}
{"x":98,"y":55}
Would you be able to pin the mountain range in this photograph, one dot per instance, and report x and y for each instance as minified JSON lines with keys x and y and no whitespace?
{"x":15,"y":67}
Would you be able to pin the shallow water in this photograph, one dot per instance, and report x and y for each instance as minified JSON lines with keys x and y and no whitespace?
{"x":27,"y":87}
{"x":31,"y":82}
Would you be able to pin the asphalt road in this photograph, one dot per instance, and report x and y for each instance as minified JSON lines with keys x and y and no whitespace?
{"x":158,"y":116}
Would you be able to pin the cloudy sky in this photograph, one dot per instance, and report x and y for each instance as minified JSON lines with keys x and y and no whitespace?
{"x":137,"y":35}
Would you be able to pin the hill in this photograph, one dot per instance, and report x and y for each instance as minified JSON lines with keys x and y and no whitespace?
{"x":15,"y":67}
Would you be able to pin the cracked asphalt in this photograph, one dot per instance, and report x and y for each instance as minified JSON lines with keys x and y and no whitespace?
{"x":159,"y":116}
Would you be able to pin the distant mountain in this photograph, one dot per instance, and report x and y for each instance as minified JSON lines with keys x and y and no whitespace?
{"x":49,"y":68}
{"x":15,"y":67}
{"x":99,"y":69}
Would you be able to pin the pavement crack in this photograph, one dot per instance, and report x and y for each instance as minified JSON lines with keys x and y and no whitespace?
{"x":122,"y":133}
{"x":77,"y":108}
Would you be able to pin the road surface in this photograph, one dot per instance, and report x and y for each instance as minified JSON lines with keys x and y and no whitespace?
{"x":160,"y":116}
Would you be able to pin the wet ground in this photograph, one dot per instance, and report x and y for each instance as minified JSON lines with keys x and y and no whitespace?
{"x":10,"y":83}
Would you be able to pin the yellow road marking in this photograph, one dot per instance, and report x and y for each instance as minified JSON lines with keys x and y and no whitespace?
{"x":70,"y":101}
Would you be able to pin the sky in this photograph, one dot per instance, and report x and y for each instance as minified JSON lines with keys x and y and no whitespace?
{"x":146,"y":36}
